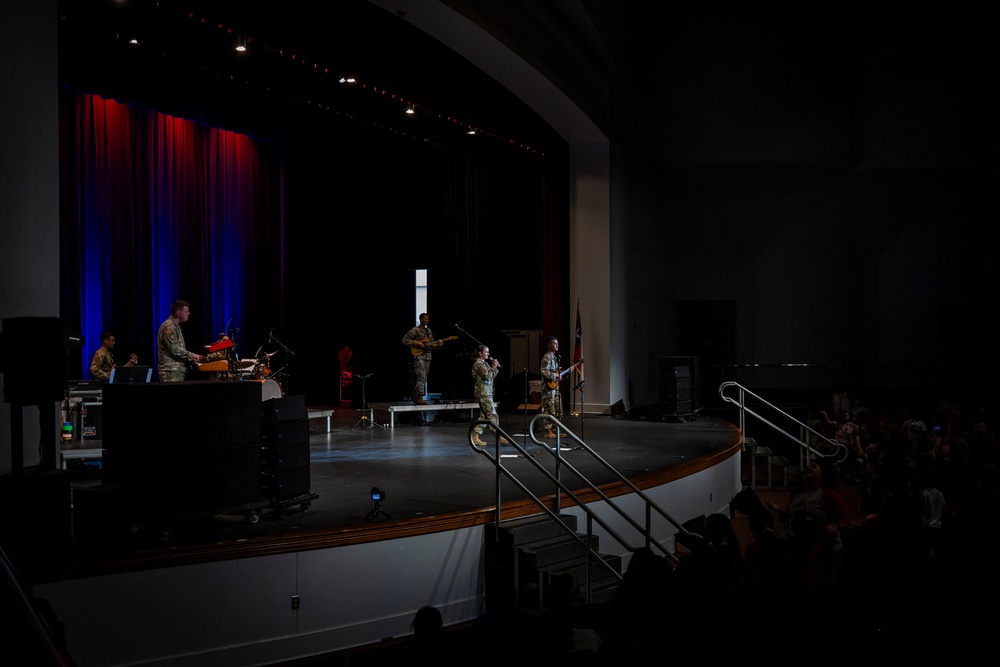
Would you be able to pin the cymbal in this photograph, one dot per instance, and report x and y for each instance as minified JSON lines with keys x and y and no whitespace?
{"x":247,"y":363}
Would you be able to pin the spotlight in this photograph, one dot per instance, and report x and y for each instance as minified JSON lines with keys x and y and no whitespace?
{"x":378,"y":495}
{"x":241,"y":44}
{"x":410,"y":110}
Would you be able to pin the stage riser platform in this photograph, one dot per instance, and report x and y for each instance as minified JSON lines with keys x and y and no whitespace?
{"x":386,"y":412}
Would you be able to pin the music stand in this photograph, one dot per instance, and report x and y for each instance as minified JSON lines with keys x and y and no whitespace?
{"x":366,"y":421}
{"x":130,"y":374}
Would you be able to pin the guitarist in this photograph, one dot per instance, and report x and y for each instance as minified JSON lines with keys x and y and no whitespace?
{"x":551,"y":396}
{"x":421,"y":340}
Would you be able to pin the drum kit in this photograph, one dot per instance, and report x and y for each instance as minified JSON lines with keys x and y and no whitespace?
{"x":224,"y":364}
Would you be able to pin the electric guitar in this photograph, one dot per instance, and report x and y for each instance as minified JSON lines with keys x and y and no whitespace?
{"x":552,"y":384}
{"x":434,"y":344}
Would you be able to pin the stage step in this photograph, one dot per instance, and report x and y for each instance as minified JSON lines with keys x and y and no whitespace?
{"x":761,"y":459}
{"x":546,"y":551}
{"x":536,"y":527}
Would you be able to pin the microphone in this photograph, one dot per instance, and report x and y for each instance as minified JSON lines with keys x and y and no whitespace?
{"x":270,"y":336}
{"x":492,"y":360}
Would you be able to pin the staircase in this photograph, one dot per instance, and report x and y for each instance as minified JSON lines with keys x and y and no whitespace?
{"x":766,"y":467}
{"x":539,"y":553}
{"x":531,"y":557}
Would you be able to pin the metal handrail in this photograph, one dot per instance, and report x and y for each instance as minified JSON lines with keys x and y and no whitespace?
{"x":40,"y":638}
{"x":804,"y":447}
{"x":556,"y":478}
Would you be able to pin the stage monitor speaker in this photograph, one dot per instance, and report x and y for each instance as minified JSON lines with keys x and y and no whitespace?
{"x":33,"y":356}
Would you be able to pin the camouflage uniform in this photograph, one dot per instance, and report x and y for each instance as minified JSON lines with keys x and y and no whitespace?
{"x":102,"y":364}
{"x":483,"y":375}
{"x":422,"y":362}
{"x":172,"y":352}
{"x":551,"y":398}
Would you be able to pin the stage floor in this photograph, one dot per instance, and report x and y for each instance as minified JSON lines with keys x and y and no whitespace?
{"x":428,"y":469}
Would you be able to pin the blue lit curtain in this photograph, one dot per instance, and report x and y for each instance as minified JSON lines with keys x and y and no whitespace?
{"x":157,"y":208}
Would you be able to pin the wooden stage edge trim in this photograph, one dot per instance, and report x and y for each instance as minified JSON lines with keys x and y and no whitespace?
{"x":173,"y":556}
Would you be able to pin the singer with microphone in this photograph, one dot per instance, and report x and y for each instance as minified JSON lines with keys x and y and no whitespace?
{"x":484,"y":371}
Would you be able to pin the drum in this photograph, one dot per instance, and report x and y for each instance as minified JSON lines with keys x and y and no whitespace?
{"x":270,"y":389}
{"x":261,"y":371}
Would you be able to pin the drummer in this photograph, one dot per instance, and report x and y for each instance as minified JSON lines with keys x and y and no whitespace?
{"x":221,"y":352}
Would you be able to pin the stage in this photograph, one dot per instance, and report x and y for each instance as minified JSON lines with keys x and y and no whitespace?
{"x":426,"y":470}
{"x":345,"y":572}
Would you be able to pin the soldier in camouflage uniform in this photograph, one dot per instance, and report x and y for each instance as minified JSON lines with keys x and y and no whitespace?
{"x":170,"y":348}
{"x":484,"y":370}
{"x":551,"y":398}
{"x":421,"y":338}
{"x":103,"y":361}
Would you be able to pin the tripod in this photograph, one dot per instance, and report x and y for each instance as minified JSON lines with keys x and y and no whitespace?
{"x":365,"y":421}
{"x":374,"y":514}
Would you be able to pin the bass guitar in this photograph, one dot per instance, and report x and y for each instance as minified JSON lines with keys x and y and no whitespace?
{"x":552,"y":384}
{"x":434,"y":344}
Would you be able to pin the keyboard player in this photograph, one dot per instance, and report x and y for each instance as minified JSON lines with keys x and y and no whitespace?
{"x":172,"y":352}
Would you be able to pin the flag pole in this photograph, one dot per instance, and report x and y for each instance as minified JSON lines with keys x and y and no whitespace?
{"x":578,"y":359}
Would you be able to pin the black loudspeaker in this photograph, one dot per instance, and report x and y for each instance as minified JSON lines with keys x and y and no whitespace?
{"x":183,"y":448}
{"x":619,"y":409}
{"x":285,"y":471}
{"x":676,"y":389}
{"x":34,"y":358}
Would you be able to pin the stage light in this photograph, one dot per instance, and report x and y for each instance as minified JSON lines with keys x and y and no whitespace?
{"x":241,"y":44}
{"x":410,"y":110}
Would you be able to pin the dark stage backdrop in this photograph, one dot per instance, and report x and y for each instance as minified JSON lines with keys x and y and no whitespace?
{"x":314,"y":238}
{"x":365,"y":210}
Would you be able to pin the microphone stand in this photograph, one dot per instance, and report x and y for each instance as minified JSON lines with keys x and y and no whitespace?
{"x":285,"y":348}
{"x":580,"y":386}
{"x":524,"y":402}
